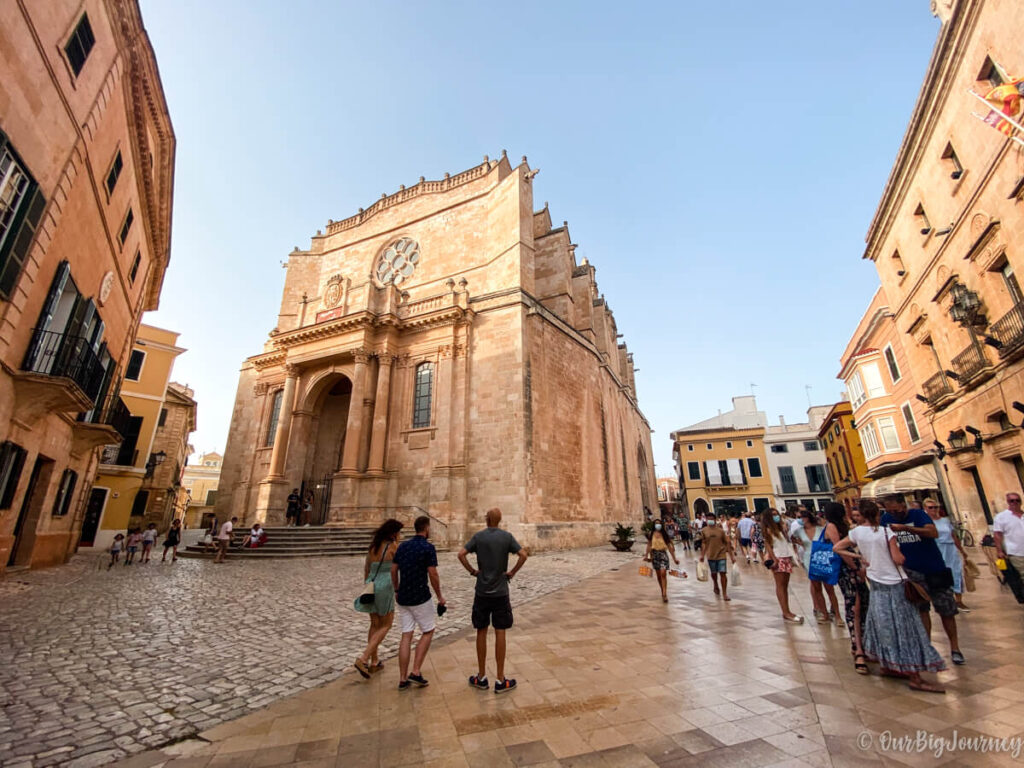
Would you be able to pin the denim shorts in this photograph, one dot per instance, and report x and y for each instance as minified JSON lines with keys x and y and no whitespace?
{"x":718,"y":566}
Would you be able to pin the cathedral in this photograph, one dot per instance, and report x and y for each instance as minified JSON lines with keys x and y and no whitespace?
{"x":442,"y":352}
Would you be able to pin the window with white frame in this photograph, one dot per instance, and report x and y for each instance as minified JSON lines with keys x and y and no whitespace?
{"x":869,"y":440}
{"x":872,"y":379}
{"x":890,"y":437}
{"x":890,"y":360}
{"x":908,"y":417}
{"x":856,"y":389}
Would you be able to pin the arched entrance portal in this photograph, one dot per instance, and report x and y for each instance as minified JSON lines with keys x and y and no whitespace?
{"x":330,"y":417}
{"x":700,"y":507}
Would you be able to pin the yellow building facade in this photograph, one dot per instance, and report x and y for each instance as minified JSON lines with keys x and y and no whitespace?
{"x":200,"y":481}
{"x":847,"y":467}
{"x":118,"y":494}
{"x":723,"y":470}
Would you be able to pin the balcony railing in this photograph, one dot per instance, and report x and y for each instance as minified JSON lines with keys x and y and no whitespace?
{"x":936,"y":388}
{"x":63,"y":356}
{"x":114,"y":413}
{"x":970,"y":363}
{"x":1009,"y":330}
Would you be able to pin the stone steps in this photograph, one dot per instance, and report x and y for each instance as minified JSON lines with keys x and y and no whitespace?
{"x":286,"y":542}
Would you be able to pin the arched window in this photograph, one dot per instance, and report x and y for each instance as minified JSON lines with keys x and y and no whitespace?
{"x":423,"y":395}
{"x":275,"y":412}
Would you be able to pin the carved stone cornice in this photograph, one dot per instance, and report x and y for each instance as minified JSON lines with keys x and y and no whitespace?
{"x":452,"y":316}
{"x":267,"y":360}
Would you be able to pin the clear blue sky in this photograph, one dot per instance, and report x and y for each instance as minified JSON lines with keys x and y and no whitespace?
{"x":719,"y":163}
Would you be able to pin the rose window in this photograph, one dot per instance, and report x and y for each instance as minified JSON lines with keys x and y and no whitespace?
{"x":398,"y":261}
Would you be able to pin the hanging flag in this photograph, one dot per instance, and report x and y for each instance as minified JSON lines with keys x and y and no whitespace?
{"x":1005,"y":101}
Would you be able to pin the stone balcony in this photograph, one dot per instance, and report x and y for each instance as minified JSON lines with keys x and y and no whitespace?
{"x":972,"y":366}
{"x":938,"y":391}
{"x":1008,"y":331}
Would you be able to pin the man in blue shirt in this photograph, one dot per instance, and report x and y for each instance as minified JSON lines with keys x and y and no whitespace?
{"x":916,"y":534}
{"x":414,"y":565}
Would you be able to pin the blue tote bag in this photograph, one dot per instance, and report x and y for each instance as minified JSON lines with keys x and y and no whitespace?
{"x":824,"y":566}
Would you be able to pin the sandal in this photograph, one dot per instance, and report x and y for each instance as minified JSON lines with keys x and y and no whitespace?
{"x":362,"y":669}
{"x":377,"y":667}
{"x":860,"y":664}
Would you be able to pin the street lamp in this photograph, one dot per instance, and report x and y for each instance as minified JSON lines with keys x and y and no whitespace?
{"x":957,"y":440}
{"x":966,"y":307}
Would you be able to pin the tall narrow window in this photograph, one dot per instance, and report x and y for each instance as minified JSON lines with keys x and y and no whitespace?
{"x":869,"y":440}
{"x":423,"y":395}
{"x":855,"y":387}
{"x":1010,"y":280}
{"x":12,"y":459}
{"x":693,"y":469}
{"x":127,"y":226}
{"x":21,"y":208}
{"x":908,"y":417}
{"x":115,"y":173}
{"x":846,"y":465}
{"x":275,"y":414}
{"x":897,"y":263}
{"x":163,"y":417}
{"x":890,"y":438}
{"x":754,"y":467}
{"x":65,"y":491}
{"x":890,"y":360}
{"x":990,"y":76}
{"x":134,"y":369}
{"x":952,"y":162}
{"x":872,"y":379}
{"x":788,"y":479}
{"x":139,"y":504}
{"x":79,"y":44}
{"x":922,"y":219}
{"x":135,"y":267}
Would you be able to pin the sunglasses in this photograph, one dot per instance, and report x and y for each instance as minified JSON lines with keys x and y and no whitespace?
{"x":1013,"y":501}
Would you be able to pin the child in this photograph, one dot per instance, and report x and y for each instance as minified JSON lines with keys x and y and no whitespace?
{"x":134,"y":540}
{"x":172,"y":541}
{"x":148,"y":540}
{"x":115,"y":550}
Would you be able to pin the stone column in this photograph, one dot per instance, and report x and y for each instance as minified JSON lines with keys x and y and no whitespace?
{"x":284,"y":423}
{"x":378,"y":440}
{"x":354,"y":430}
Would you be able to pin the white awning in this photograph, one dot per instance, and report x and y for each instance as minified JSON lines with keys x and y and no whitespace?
{"x":917,"y":479}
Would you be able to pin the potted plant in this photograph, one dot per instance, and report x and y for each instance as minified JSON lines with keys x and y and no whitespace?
{"x":624,"y":537}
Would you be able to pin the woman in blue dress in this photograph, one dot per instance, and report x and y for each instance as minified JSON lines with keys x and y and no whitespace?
{"x":377,"y":569}
{"x":950,"y":547}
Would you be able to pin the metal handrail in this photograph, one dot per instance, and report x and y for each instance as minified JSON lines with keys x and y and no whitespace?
{"x":969,"y":362}
{"x":936,"y":387}
{"x":1009,"y":329}
{"x":65,"y":356}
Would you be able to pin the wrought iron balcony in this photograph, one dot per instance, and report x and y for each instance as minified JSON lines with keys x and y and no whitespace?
{"x":971,"y":362}
{"x":63,"y":356}
{"x":936,"y":388}
{"x":1009,"y":330}
{"x":114,"y":413}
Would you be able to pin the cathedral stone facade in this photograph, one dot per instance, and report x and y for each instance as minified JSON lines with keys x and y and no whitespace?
{"x":441,"y":352}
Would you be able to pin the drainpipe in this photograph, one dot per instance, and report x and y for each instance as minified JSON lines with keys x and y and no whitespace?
{"x":942,"y":475}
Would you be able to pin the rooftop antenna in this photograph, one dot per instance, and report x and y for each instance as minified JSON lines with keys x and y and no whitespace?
{"x":752,"y":386}
{"x":808,"y":388}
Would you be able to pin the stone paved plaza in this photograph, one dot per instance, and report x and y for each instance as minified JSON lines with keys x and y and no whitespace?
{"x":104,"y":665}
{"x":97,"y":664}
{"x":611,"y":677}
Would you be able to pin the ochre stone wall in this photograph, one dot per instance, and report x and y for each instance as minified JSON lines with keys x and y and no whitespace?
{"x":533,"y":406}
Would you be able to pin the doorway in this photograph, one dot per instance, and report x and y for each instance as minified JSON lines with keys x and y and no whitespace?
{"x":31,"y":510}
{"x":93,"y":513}
{"x":332,"y":420}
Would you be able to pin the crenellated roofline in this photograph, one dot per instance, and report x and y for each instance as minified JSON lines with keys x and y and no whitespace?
{"x":424,"y":187}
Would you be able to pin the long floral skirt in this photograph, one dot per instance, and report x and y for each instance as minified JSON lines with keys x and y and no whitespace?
{"x":894,"y":634}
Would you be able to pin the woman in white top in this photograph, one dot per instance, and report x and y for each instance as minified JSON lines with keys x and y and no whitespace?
{"x":778,"y":556}
{"x":893,"y":633}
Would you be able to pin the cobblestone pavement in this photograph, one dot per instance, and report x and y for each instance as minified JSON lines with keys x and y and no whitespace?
{"x":611,"y":677}
{"x":96,"y":665}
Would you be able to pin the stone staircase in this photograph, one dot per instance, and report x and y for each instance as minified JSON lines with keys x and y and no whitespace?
{"x":282,"y":542}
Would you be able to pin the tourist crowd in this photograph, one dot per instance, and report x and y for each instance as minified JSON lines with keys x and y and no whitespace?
{"x":894,"y":565}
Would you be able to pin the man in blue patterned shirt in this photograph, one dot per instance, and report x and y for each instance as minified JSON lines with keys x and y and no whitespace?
{"x":413,"y":573}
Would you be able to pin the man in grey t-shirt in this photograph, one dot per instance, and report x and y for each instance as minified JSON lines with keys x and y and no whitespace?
{"x":491,"y":605}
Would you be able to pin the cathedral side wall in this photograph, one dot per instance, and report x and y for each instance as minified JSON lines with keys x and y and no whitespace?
{"x":236,"y":481}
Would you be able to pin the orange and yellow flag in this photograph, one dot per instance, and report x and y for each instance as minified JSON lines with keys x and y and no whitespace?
{"x":1005,"y":99}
